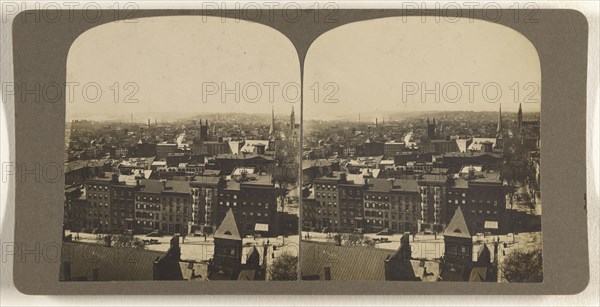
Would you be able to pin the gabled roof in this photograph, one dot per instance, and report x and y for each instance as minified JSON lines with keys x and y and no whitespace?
{"x":458,"y":226}
{"x":228,"y":228}
{"x":247,"y":275}
{"x":478,"y":274}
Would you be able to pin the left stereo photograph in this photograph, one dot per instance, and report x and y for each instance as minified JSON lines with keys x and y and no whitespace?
{"x":181,"y":152}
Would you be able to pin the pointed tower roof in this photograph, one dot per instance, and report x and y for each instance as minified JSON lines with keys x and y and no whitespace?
{"x":458,"y":226}
{"x":254,"y":256}
{"x":499,"y":129}
{"x":484,"y":256}
{"x":228,"y":228}
{"x":272,"y":127}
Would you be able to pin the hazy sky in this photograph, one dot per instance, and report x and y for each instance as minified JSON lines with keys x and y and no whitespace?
{"x":386,"y":65}
{"x":184,"y":64}
{"x":177,"y":63}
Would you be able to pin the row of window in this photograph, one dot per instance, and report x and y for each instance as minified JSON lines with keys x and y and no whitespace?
{"x":97,"y":187}
{"x":100,"y":196}
{"x":234,"y":204}
{"x":351,"y":192}
{"x":326,"y":187}
{"x":327,"y":195}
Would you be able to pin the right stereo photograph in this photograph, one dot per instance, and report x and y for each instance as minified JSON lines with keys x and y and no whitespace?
{"x":421,"y":153}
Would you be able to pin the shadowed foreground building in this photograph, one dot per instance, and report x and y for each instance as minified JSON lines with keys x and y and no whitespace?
{"x":457,"y":263}
{"x":325,"y":261}
{"x":96,"y":262}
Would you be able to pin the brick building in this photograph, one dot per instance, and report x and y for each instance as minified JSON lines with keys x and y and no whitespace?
{"x":392,"y":204}
{"x":122,"y":207}
{"x":204,"y":190}
{"x":147,"y":206}
{"x":350,"y":203}
{"x":481,"y":196}
{"x":252,"y":199}
{"x":98,"y":197}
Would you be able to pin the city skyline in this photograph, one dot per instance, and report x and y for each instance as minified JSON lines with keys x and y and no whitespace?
{"x":399,"y":69}
{"x":197,"y":64}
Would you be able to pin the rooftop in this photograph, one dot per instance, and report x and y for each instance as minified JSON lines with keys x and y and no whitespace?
{"x":458,"y":226}
{"x":169,"y":186}
{"x":242,"y":156}
{"x":228,"y":228}
{"x":113,"y":263}
{"x":346,"y":263}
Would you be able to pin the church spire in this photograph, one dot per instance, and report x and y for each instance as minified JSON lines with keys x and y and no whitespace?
{"x":520,"y":118}
{"x":272,"y":127}
{"x":499,"y":129}
{"x":292,"y":120}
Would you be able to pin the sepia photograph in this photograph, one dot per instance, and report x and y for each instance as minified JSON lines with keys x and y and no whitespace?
{"x":181,"y":152}
{"x":424,"y":164}
{"x":333,"y":152}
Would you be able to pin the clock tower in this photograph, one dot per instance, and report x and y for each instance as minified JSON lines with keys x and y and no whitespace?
{"x":228,"y":246}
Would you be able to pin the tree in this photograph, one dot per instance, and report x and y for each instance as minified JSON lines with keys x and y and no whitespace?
{"x":368,"y":242}
{"x":523,"y":266}
{"x":284,"y":267}
{"x":128,"y":241}
{"x":354,"y":239}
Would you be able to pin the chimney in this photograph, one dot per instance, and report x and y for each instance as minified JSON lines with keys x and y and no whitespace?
{"x":115,"y":177}
{"x":108,"y":241}
{"x":174,"y":249}
{"x":327,"y":272}
{"x":343,"y":178}
{"x":95,"y":274}
{"x":67,"y":270}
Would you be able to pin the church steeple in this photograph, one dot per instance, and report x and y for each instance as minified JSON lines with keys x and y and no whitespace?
{"x":292,"y":120}
{"x":499,"y":129}
{"x":272,"y":127}
{"x":520,"y":119}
